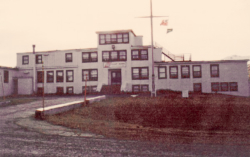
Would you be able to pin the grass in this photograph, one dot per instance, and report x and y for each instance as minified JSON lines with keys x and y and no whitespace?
{"x":165,"y":118}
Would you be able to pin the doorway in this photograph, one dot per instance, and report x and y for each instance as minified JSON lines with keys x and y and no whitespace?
{"x":116,"y":77}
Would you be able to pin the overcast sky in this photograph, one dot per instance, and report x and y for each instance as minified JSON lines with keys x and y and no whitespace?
{"x":207,"y":29}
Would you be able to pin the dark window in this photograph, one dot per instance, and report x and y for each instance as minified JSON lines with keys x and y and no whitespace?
{"x":185,"y":72}
{"x":70,"y":90}
{"x":40,"y":77}
{"x":120,"y":55}
{"x":197,"y":87}
{"x":162,"y":72}
{"x":233,"y":86}
{"x":224,"y":86}
{"x":139,"y":73}
{"x":139,"y":55}
{"x":6,"y":76}
{"x":40,"y":91}
{"x":68,"y":57}
{"x":136,"y":88}
{"x":69,"y":76}
{"x":89,"y":89}
{"x":59,"y":76}
{"x":59,"y":90}
{"x":90,"y":74}
{"x":89,"y":57}
{"x":113,"y":38}
{"x":25,"y":60}
{"x":144,"y":88}
{"x":173,"y":72}
{"x":215,"y":86}
{"x":39,"y":59}
{"x":196,"y":71}
{"x":50,"y":76}
{"x":214,"y":69}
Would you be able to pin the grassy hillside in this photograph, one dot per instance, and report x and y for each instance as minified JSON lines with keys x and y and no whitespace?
{"x":140,"y":117}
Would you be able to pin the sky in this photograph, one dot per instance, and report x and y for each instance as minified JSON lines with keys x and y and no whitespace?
{"x":205,"y":29}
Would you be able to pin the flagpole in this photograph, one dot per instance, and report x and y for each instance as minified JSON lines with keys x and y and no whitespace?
{"x":153,"y":94}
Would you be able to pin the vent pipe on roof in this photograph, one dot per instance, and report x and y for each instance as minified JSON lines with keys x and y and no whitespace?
{"x":34,"y":48}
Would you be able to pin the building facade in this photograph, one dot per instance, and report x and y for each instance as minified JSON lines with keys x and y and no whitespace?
{"x":121,"y":59}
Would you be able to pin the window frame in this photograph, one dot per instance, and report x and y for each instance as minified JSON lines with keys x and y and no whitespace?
{"x":90,"y":59}
{"x":146,"y":86}
{"x":215,"y":83}
{"x":231,"y":88}
{"x":67,"y":76}
{"x":50,"y":77}
{"x":6,"y":76}
{"x":27,"y":59}
{"x":58,"y":77}
{"x":197,"y":91}
{"x":182,"y":74}
{"x":139,"y":54}
{"x":170,"y":73}
{"x":90,"y":78}
{"x":136,"y":85}
{"x":222,"y":87}
{"x":194,"y":72}
{"x":70,"y":59}
{"x":211,"y":71}
{"x":140,"y":74}
{"x":40,"y":76}
{"x":159,"y":76}
{"x":67,"y":90}
{"x":39,"y":61}
{"x":109,"y":39}
{"x":118,"y":56}
{"x":58,"y":91}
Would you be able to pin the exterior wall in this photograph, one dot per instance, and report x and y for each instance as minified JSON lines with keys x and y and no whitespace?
{"x":25,"y":86}
{"x":233,"y":71}
{"x":7,"y":88}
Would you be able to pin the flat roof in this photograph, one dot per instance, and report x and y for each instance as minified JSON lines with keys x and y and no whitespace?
{"x":49,"y":51}
{"x":115,"y":31}
{"x":201,"y":62}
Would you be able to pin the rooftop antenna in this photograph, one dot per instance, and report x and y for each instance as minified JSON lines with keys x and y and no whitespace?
{"x":153,"y":93}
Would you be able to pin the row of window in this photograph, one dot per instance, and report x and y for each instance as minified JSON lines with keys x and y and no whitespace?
{"x":69,"y":90}
{"x":140,"y":88}
{"x":115,"y":55}
{"x":218,"y":86}
{"x":114,"y":38}
{"x":185,"y":71}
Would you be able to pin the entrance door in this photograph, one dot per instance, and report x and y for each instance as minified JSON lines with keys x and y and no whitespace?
{"x":116,"y":77}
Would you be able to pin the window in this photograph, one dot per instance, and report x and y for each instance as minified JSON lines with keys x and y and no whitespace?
{"x":214,"y":69}
{"x":25,"y":60}
{"x":69,"y":76}
{"x":233,"y":86}
{"x":196,"y":71}
{"x":50,"y":76}
{"x":136,"y":88}
{"x":215,"y":86}
{"x":59,"y":76}
{"x":120,"y":55}
{"x":6,"y":76}
{"x":139,"y":55}
{"x":90,"y":74}
{"x":197,"y":87}
{"x":224,"y":86}
{"x":70,"y":90}
{"x":113,"y":38}
{"x":59,"y":90}
{"x":162,"y":72}
{"x":68,"y":57}
{"x":144,"y":88}
{"x":173,"y":72}
{"x":139,"y":73}
{"x":39,"y":59}
{"x":89,"y":57}
{"x":40,"y":76}
{"x":89,"y":89}
{"x":40,"y":91}
{"x":185,"y":72}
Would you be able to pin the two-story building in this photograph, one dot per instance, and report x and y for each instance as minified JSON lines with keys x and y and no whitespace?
{"x":121,"y":59}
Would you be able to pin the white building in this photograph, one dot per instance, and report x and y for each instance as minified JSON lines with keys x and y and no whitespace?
{"x":120,"y":59}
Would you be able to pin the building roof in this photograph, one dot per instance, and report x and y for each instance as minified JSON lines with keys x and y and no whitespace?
{"x":116,"y":31}
{"x":4,"y":67}
{"x":50,"y":51}
{"x":200,"y":62}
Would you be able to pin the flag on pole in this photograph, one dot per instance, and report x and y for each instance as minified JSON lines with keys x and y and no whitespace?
{"x":169,"y":30}
{"x":164,"y":23}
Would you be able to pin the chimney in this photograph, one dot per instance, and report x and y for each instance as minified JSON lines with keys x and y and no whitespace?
{"x":34,"y":48}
